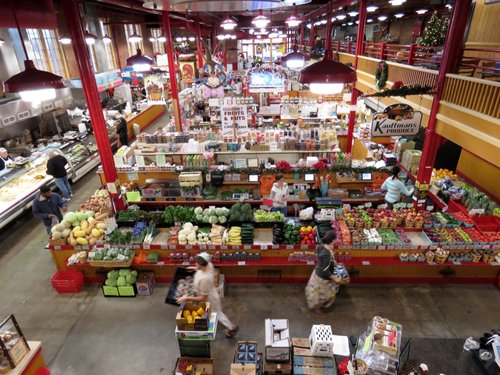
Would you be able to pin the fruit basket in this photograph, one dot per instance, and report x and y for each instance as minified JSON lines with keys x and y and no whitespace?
{"x":476,"y":256}
{"x":441,"y":256}
{"x":489,"y":256}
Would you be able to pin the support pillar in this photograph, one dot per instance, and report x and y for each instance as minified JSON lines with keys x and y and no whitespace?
{"x":311,"y":36}
{"x":198,"y":45}
{"x":172,"y":71}
{"x":224,"y":56}
{"x":302,"y":28}
{"x":355,"y":92}
{"x":328,"y":36}
{"x":80,"y":48}
{"x":452,"y":51}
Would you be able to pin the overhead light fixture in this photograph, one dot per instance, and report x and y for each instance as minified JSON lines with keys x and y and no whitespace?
{"x":293,"y":21}
{"x":327,"y":76}
{"x":31,"y":84}
{"x":353,"y":13}
{"x":399,"y":15}
{"x":294,"y":59}
{"x":90,"y":39}
{"x":282,"y":35}
{"x":421,"y":11}
{"x":449,"y":6}
{"x":228,"y":24}
{"x":162,"y":38}
{"x":152,"y":39}
{"x":317,"y":23}
{"x":106,"y":39}
{"x":296,"y":2}
{"x":357,"y":22}
{"x":259,"y":36}
{"x":349,"y":23}
{"x":233,"y":37}
{"x":251,"y":31}
{"x":273,"y":35}
{"x":341,"y":16}
{"x":382,"y":18}
{"x":309,"y":25}
{"x":140,"y":62}
{"x":371,"y":8}
{"x":135,"y":38}
{"x":178,"y":39}
{"x":220,"y":37}
{"x":323,"y":22}
{"x":260,"y":21}
{"x":344,"y":24}
{"x":63,"y":40}
{"x":191,"y":38}
{"x":369,"y":20}
{"x":397,"y":2}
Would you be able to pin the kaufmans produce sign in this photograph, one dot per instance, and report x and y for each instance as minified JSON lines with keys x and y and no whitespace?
{"x":396,"y":120}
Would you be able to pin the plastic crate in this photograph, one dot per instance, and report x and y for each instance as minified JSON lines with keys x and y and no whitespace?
{"x":67,"y":281}
{"x":487,"y":223}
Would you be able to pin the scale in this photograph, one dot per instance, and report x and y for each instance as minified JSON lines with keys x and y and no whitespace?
{"x":241,"y":196}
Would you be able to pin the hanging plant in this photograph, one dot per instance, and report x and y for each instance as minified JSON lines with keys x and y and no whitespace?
{"x":381,"y":74}
{"x":403,"y":91}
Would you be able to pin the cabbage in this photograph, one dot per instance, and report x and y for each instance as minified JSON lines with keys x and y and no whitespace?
{"x":121,"y":281}
{"x":81,"y":215}
{"x":71,"y":217}
{"x":110,"y":282}
{"x":134,"y":272}
{"x":198,"y":210}
{"x":113,"y":274}
{"x":130,"y":279}
{"x":222,"y":219}
{"x":66,"y":232}
{"x":213,"y":219}
{"x":66,"y":224}
{"x":206,"y":219}
{"x":199,"y":217}
{"x":90,"y":214}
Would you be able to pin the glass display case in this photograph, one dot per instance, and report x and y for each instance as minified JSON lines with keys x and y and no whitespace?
{"x":13,"y":345}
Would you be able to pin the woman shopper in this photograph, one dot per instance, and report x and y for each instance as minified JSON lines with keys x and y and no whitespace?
{"x":204,"y":288}
{"x":322,"y":285}
{"x":279,"y":192}
{"x":394,"y":188}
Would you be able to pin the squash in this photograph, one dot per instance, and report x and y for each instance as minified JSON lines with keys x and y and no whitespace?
{"x":82,"y":241}
{"x":96,"y":233}
{"x":101,"y":226}
{"x":79,"y":233}
{"x":77,"y":228}
{"x":101,"y":217}
{"x":84,"y":224}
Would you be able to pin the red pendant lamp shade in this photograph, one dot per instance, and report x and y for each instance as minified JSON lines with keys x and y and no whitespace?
{"x":294,"y":58}
{"x":327,"y":72}
{"x":33,"y":79}
{"x":140,"y":61}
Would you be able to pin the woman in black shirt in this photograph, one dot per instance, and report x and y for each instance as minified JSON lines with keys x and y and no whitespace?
{"x":321,"y":288}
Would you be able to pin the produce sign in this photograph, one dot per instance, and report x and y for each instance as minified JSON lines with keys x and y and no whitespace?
{"x":396,"y":120}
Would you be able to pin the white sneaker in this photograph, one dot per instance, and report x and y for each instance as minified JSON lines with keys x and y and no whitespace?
{"x":66,"y":199}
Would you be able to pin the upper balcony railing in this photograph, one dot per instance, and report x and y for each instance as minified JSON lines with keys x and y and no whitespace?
{"x":481,"y":63}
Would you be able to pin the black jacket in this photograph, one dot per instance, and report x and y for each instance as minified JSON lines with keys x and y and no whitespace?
{"x":43,"y":208}
{"x":56,"y":166}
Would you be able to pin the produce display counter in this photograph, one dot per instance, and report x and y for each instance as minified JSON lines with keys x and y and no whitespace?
{"x":147,"y":116}
{"x":263,"y":262}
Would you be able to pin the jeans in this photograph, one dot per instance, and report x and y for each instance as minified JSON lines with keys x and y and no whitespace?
{"x":64,"y":186}
{"x":283,"y":210}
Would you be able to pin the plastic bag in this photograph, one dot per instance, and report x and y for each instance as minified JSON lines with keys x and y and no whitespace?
{"x":306,"y":214}
{"x":55,"y":220}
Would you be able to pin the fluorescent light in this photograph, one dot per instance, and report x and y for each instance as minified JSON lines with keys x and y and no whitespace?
{"x":397,"y":2}
{"x":323,"y":22}
{"x":357,"y":22}
{"x":191,"y":38}
{"x":369,"y":20}
{"x":90,"y":38}
{"x":233,"y":37}
{"x":152,"y":39}
{"x":382,"y":18}
{"x":421,"y":11}
{"x":326,"y":88}
{"x":399,"y":15}
{"x":63,"y":40}
{"x":293,"y":21}
{"x":162,"y":38}
{"x":309,"y":25}
{"x":344,"y":24}
{"x":350,"y":23}
{"x":449,"y":6}
{"x":178,"y":39}
{"x":251,"y":31}
{"x":317,"y":23}
{"x":220,"y":37}
{"x":273,"y":35}
{"x":341,"y":16}
{"x":352,"y":13}
{"x":371,"y":8}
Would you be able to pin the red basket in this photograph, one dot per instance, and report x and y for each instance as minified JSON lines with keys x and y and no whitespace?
{"x":67,"y":281}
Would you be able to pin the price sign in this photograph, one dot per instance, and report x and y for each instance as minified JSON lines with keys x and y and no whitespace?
{"x":160,"y":160}
{"x":382,"y":206}
{"x":211,"y":247}
{"x":368,"y":204}
{"x":263,"y":247}
{"x":365,"y":263}
{"x":223,"y":247}
{"x":189,"y":247}
{"x":276,"y":247}
{"x":429,"y":208}
{"x":132,"y":176}
{"x":310,"y":262}
{"x":247,"y":247}
{"x":163,"y":246}
{"x":289,"y":247}
{"x":303,"y":247}
{"x":161,"y":263}
{"x":236,"y":247}
{"x":139,"y":160}
{"x":241,"y":263}
{"x":146,"y":247}
{"x":57,"y":247}
{"x":172,"y":247}
{"x":185,"y":263}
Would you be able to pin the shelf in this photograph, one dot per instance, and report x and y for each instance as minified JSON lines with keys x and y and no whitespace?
{"x":233,"y":152}
{"x":240,"y":183}
{"x":440,"y":203}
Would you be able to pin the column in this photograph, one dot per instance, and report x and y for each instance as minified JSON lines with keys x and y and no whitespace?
{"x":328,"y":35}
{"x":80,"y":48}
{"x":355,"y":93}
{"x":452,"y":52}
{"x":198,"y":44}
{"x":172,"y":70}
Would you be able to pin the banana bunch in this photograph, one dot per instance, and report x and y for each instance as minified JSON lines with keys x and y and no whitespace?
{"x":234,"y":236}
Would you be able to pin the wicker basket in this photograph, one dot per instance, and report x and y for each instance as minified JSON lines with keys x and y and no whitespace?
{"x":488,"y":258}
{"x":368,"y":224}
{"x":440,"y":257}
{"x":475,"y":256}
{"x":430,"y":256}
{"x":112,"y":263}
{"x":376,"y":224}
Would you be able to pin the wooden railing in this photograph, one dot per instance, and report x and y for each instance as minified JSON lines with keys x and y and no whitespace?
{"x":475,"y":94}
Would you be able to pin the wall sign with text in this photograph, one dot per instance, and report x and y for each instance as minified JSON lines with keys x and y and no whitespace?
{"x":396,"y":120}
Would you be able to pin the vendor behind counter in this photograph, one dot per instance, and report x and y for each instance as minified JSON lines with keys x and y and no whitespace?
{"x":5,"y":160}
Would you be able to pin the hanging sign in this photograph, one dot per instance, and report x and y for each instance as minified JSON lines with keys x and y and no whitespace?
{"x":266,"y":78}
{"x":234,"y":120}
{"x":396,"y":120}
{"x":156,"y":88}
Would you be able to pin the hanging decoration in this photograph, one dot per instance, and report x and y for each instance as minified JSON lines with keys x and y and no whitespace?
{"x":212,"y":75}
{"x":381,"y":74}
{"x":156,"y":86}
{"x":403,"y":91}
{"x":266,"y":78}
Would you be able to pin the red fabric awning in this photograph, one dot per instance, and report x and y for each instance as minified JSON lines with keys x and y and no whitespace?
{"x":33,"y":14}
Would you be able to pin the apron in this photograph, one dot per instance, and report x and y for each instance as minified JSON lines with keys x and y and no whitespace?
{"x":320,"y":292}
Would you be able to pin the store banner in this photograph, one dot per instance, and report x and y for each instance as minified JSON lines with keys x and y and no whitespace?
{"x":234,"y":119}
{"x":396,"y":120}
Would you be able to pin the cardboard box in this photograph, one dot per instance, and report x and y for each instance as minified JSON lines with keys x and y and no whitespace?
{"x":271,"y":368}
{"x":243,"y":369}
{"x":400,"y":147}
{"x":198,"y":365}
{"x":304,"y":363}
{"x":277,"y":340}
{"x":411,"y":157}
{"x":145,"y":283}
{"x":197,"y":325}
{"x":246,"y":352}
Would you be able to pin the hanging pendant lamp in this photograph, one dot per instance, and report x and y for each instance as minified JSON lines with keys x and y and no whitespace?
{"x":106,"y":39}
{"x":32,"y":85}
{"x":327,"y":76}
{"x":134,"y":38}
{"x":140,"y":62}
{"x":261,"y":21}
{"x":293,"y":20}
{"x":294,"y":59}
{"x":228,"y":24}
{"x":2,"y":42}
{"x":90,"y":38}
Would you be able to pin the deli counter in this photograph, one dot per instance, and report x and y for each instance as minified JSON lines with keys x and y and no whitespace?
{"x":19,"y":185}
